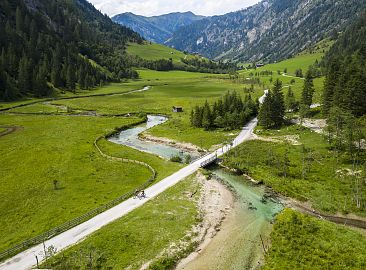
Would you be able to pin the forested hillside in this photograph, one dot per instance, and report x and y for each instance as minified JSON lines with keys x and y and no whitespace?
{"x":345,"y":85}
{"x":269,"y":31}
{"x":48,"y":44}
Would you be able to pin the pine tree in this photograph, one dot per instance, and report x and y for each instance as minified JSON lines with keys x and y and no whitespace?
{"x":308,"y":90}
{"x":24,"y":81}
{"x":278,"y":104}
{"x":206,"y":116}
{"x":19,"y":20}
{"x":265,"y":112}
{"x":290,"y":101}
{"x":70,"y":78}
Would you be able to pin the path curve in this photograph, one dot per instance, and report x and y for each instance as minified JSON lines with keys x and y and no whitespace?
{"x":9,"y":129}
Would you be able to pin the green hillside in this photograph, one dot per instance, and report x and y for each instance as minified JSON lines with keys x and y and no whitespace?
{"x":153,"y":51}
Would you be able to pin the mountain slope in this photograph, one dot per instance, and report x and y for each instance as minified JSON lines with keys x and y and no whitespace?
{"x":158,"y":28}
{"x":345,"y":64}
{"x":271,"y":30}
{"x":47,"y":44}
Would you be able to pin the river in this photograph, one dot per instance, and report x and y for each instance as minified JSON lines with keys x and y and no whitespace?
{"x":238,"y":245}
{"x":130,"y":137}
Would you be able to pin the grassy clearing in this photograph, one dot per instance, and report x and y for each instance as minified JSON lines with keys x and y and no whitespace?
{"x":153,"y":51}
{"x":57,"y":148}
{"x":310,"y":176}
{"x":105,"y":90}
{"x":303,"y":242}
{"x":302,"y":61}
{"x":36,"y":108}
{"x":140,"y":236}
{"x":170,"y":76}
{"x":292,"y":64}
{"x":163,"y":168}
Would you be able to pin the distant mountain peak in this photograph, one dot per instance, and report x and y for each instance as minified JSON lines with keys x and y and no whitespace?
{"x":271,"y":30}
{"x":157,"y":28}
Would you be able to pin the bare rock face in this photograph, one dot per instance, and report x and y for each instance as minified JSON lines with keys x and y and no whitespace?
{"x":269,"y":31}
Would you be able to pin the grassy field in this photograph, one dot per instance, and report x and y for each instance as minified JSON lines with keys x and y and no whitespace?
{"x":140,"y":236}
{"x":105,"y":90}
{"x":312,"y":174}
{"x":302,"y":61}
{"x":303,"y":242}
{"x":173,"y":89}
{"x":153,"y":51}
{"x":60,"y":148}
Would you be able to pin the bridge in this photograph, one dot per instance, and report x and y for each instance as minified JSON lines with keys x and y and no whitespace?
{"x":209,"y":161}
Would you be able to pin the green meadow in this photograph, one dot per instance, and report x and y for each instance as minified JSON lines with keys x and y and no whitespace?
{"x":172,"y":89}
{"x":153,"y":51}
{"x":140,"y":236}
{"x":60,"y":148}
{"x":303,"y":242}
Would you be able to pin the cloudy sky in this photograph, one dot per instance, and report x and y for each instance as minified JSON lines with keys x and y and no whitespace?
{"x":158,"y":7}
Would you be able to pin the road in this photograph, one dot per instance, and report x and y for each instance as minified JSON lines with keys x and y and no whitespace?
{"x":27,"y":258}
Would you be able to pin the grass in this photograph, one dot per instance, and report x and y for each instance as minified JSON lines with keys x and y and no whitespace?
{"x":186,"y":92}
{"x":59,"y":148}
{"x":321,"y":184}
{"x":140,"y":236}
{"x":153,"y":51}
{"x":303,"y":242}
{"x":301,"y":61}
{"x":36,"y":108}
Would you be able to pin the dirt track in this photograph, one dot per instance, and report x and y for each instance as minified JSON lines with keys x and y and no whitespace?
{"x":9,"y":129}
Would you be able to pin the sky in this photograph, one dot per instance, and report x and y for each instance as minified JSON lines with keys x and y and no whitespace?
{"x":159,"y":7}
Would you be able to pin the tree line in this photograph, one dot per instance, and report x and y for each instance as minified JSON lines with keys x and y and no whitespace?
{"x":345,"y":65}
{"x":50,"y":47}
{"x":230,"y":112}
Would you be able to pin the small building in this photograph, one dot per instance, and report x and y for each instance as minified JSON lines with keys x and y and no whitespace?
{"x":259,"y":65}
{"x":177,"y":109}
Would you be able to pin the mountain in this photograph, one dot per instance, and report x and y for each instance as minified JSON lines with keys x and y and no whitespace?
{"x":269,"y":31}
{"x":158,"y":28}
{"x":47,"y":45}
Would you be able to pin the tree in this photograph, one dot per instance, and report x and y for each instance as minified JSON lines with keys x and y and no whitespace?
{"x":290,"y":100}
{"x":265,"y":112}
{"x":19,"y":20}
{"x":278,"y":104}
{"x":70,"y":78}
{"x":206,"y":116}
{"x":308,"y":90}
{"x":298,"y":73}
{"x":272,"y":111}
{"x":24,"y":80}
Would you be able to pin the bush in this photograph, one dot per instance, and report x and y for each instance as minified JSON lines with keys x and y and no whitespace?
{"x":164,"y":263}
{"x":177,"y":159}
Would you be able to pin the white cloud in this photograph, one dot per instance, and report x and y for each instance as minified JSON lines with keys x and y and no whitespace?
{"x":158,"y":7}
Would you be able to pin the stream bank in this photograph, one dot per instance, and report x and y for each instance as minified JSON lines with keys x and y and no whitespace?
{"x":237,"y":243}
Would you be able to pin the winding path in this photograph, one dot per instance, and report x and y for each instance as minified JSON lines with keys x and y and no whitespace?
{"x":8,"y":130}
{"x":27,"y":259}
